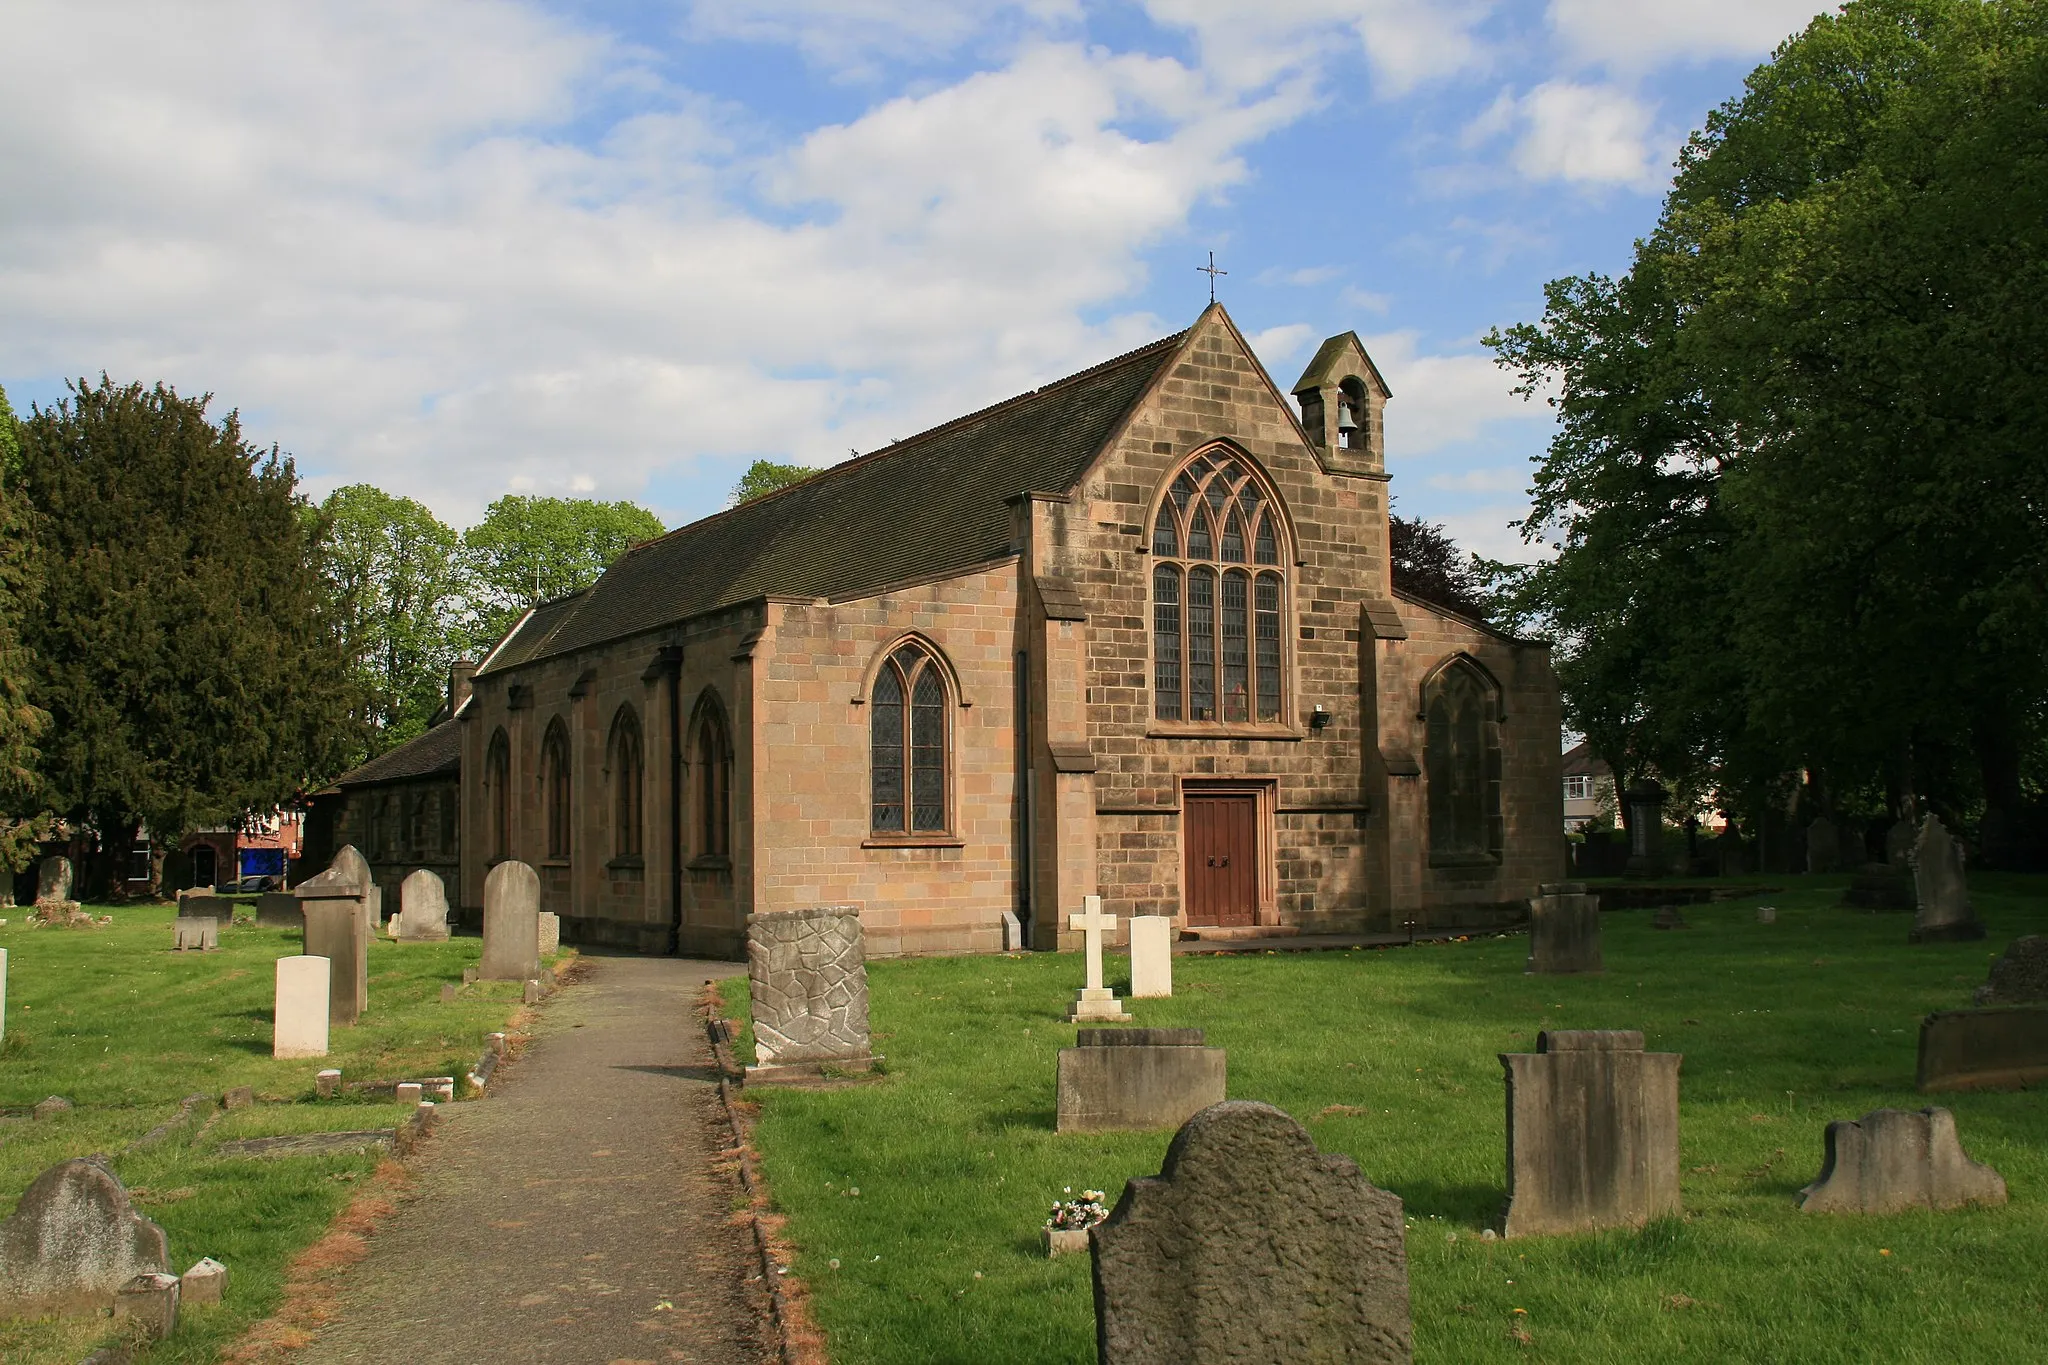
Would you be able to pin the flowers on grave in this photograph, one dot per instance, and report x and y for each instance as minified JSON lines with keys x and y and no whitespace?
{"x":1077,"y":1215}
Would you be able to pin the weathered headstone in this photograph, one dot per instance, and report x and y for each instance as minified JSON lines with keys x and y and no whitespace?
{"x":1942,"y":888}
{"x":334,"y":933}
{"x":1988,"y":1049}
{"x":1250,"y":1245}
{"x":1898,"y":843}
{"x":1767,"y":914}
{"x":807,"y":971}
{"x":280,"y":910}
{"x":202,"y":904}
{"x":205,"y":1282}
{"x":1823,"y":846}
{"x":1121,"y":1079}
{"x":1891,"y":1160}
{"x":327,"y":1083}
{"x":72,"y":1242}
{"x":550,"y":932}
{"x":1094,"y":1001}
{"x":1564,"y":931}
{"x":53,"y":881}
{"x":151,"y":1299}
{"x":511,"y":923}
{"x":1592,"y":1133}
{"x":1669,"y":917}
{"x":301,"y":1016}
{"x":422,"y":908}
{"x":1151,"y":957}
{"x":195,"y":933}
{"x":2020,"y":975}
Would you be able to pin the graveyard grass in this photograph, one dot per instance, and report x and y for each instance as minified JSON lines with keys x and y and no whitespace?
{"x":112,"y":1020}
{"x":1389,"y":1056}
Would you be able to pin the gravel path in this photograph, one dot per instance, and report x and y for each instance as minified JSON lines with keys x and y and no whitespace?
{"x":573,"y":1216}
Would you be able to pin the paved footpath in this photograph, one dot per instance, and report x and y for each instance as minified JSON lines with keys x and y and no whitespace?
{"x":548,"y":1222}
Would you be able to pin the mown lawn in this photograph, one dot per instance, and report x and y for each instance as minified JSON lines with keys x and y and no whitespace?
{"x":1390,"y":1056}
{"x":112,"y":1020}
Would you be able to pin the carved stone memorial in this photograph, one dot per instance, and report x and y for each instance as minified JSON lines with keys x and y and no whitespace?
{"x":1942,"y":888}
{"x":195,"y":933}
{"x":807,"y":970}
{"x":73,"y":1242}
{"x":1250,"y":1245}
{"x":279,"y":910}
{"x":2020,"y":976}
{"x":511,"y":924}
{"x":1117,"y":1079}
{"x":1564,"y":931}
{"x":1592,"y":1133}
{"x":1987,"y":1049}
{"x":422,"y":908}
{"x":53,"y":881}
{"x":1891,"y":1160}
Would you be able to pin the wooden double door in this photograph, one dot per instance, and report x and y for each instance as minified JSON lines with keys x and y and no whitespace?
{"x":1220,"y":845}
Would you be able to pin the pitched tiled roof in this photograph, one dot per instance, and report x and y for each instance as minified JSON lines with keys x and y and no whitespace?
{"x":934,"y":503}
{"x":530,"y":632}
{"x":432,"y":754}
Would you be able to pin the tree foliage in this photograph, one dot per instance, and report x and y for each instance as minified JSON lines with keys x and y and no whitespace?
{"x":23,"y":820}
{"x":1800,"y":483}
{"x":767,"y":476}
{"x":186,"y":649}
{"x":528,"y":550}
{"x":1428,"y":564}
{"x":392,"y":566}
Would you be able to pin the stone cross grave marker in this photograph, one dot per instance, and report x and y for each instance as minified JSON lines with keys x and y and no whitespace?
{"x":807,"y":971}
{"x":1592,"y":1133}
{"x":72,"y":1242}
{"x":1250,"y":1245}
{"x":300,"y":1018}
{"x":511,"y":923}
{"x":195,"y":933}
{"x":1891,"y":1160}
{"x":422,"y":908}
{"x":1564,"y":931}
{"x":336,"y":909}
{"x":1094,"y":1001}
{"x":1942,"y":888}
{"x":1151,"y":957}
{"x":2020,"y":975}
{"x":53,"y":881}
{"x":1123,"y":1079}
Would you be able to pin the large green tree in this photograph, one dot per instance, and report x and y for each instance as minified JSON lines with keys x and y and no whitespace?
{"x":1800,"y":483}
{"x":393,"y":568}
{"x":188,"y":650}
{"x":767,"y":476}
{"x":23,"y":820}
{"x":528,"y":550}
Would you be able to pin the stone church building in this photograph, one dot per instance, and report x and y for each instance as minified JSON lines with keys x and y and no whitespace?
{"x":1132,"y":633}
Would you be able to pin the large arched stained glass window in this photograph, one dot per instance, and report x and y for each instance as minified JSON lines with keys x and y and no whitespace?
{"x":1217,"y":642}
{"x":907,"y":744}
{"x":1461,"y":757}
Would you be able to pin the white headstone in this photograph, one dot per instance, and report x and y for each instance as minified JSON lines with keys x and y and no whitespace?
{"x":423,"y":908}
{"x":300,"y":1028}
{"x":511,"y":923}
{"x":1151,"y":957}
{"x":1013,"y":932}
{"x":1094,"y":1001}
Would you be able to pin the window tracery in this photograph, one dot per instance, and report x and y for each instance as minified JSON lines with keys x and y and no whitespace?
{"x":908,"y":743}
{"x":1217,"y":647}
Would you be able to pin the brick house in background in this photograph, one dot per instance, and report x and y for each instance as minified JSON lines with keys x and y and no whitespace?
{"x":1589,"y":799}
{"x":1131,"y":633}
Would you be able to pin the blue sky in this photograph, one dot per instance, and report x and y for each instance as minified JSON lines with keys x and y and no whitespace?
{"x":621,"y":250}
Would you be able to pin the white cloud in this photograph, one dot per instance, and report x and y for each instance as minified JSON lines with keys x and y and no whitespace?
{"x":1276,"y":345}
{"x":1581,"y":134}
{"x":1406,"y":42}
{"x":1482,"y":481}
{"x":1639,"y":35}
{"x":848,"y":36}
{"x":1305,"y":277}
{"x":1489,"y":531}
{"x":1363,"y":300}
{"x":1441,"y":399}
{"x":387,"y":233}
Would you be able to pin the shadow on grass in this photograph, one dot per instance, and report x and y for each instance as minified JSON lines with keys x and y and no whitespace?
{"x":1477,"y":1205}
{"x":1034,"y":1120}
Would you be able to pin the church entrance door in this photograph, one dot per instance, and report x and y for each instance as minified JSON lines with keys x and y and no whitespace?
{"x":1220,"y":834}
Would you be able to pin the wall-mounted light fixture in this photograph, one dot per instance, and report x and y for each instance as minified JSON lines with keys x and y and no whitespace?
{"x":1319,"y":719}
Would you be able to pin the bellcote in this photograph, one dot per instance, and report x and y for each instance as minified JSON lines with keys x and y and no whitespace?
{"x":1343,"y":404}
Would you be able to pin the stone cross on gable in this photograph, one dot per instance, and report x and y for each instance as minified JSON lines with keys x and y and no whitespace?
{"x":1094,"y":1001}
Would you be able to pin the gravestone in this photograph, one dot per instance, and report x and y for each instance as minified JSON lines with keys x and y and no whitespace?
{"x":53,"y":881}
{"x":511,"y":923}
{"x":195,"y":933}
{"x":72,"y":1242}
{"x":1988,"y":1049}
{"x":1669,"y":917}
{"x":205,"y":1282}
{"x":2020,"y":976}
{"x":1898,"y":843}
{"x":301,"y":1015}
{"x":1592,"y":1133}
{"x":200,"y":904}
{"x":1120,"y":1079}
{"x":1881,"y":886}
{"x":1151,"y":957}
{"x":422,"y":908}
{"x":1942,"y":888}
{"x":1013,"y":932}
{"x":1564,"y":931}
{"x":1250,"y":1245}
{"x":1891,"y":1160}
{"x":334,"y":933}
{"x":151,"y":1299}
{"x":280,"y":910}
{"x":550,"y":932}
{"x":807,"y":970}
{"x":1094,"y":1001}
{"x":1823,"y":846}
